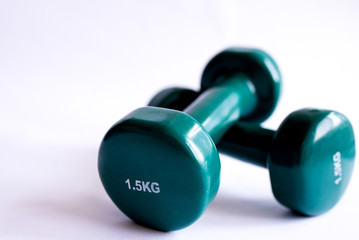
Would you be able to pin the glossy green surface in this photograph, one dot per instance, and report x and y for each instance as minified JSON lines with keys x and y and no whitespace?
{"x":160,"y":167}
{"x":258,"y":66}
{"x":255,"y":64}
{"x":154,"y":148}
{"x":310,"y":158}
{"x":174,"y":98}
{"x":247,"y":142}
{"x":220,"y":107}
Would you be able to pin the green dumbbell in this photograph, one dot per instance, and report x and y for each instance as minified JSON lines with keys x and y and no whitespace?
{"x":310,"y":157}
{"x":161,"y":167}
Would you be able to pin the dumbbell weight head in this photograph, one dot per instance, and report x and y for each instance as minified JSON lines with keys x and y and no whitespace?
{"x":160,"y":166}
{"x":310,"y":157}
{"x":258,"y":66}
{"x":311,"y":160}
{"x":160,"y":176}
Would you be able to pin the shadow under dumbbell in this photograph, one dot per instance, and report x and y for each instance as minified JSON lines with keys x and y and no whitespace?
{"x":250,"y":212}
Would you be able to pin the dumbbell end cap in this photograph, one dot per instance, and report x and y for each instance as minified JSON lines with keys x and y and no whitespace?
{"x":159,"y":167}
{"x":311,"y":160}
{"x":261,"y":69}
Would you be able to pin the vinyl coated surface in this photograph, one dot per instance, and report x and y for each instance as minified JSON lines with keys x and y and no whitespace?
{"x":310,"y":157}
{"x":69,"y":70}
{"x":155,"y":143}
{"x":311,"y":160}
{"x":160,"y":167}
{"x":258,"y":66}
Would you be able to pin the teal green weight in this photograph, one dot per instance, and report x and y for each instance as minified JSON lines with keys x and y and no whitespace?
{"x":310,"y":158}
{"x":258,"y":66}
{"x":161,"y":167}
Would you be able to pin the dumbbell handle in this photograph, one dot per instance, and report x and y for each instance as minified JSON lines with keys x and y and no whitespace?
{"x":220,"y":107}
{"x":248,"y":142}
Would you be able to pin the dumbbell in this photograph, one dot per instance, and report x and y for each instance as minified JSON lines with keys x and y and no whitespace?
{"x":161,"y":167}
{"x":310,"y":157}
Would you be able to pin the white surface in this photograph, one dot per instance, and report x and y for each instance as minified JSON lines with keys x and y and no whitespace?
{"x":70,"y":69}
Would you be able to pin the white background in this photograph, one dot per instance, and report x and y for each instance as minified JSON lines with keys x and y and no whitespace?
{"x":70,"y":69}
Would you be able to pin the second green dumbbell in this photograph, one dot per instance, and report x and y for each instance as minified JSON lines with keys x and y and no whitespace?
{"x":310,"y":157}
